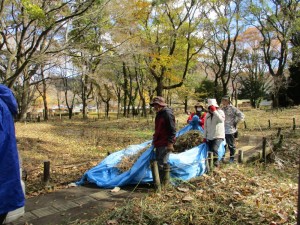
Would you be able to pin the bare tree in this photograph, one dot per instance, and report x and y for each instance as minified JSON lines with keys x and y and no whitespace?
{"x":223,"y":30}
{"x":274,"y":19}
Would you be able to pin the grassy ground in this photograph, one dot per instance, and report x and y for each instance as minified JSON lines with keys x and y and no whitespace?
{"x":233,"y":194}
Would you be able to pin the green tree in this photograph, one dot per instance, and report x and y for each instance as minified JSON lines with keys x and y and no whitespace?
{"x":165,"y":33}
{"x":208,"y":89}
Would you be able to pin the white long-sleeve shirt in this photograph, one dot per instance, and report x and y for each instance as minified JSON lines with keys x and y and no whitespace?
{"x":214,"y":126}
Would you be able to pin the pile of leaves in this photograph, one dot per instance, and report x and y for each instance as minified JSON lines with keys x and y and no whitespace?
{"x":188,"y":140}
{"x":128,"y":160}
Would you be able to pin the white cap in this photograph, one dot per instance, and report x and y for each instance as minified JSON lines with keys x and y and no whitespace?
{"x":212,"y":101}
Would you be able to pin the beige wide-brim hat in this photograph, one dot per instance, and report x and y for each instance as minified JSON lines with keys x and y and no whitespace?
{"x":198,"y":104}
{"x":213,"y":102}
{"x":158,"y":100}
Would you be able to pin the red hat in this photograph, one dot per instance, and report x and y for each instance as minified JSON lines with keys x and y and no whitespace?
{"x":158,"y":100}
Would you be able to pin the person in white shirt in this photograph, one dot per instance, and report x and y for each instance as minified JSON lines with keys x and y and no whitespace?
{"x":214,"y":129}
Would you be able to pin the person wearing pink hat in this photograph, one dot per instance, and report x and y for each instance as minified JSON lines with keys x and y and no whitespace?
{"x":164,"y":134}
{"x":214,"y":129}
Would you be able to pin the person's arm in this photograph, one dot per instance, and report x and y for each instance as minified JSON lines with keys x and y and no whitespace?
{"x":239,"y":116}
{"x":205,"y":128}
{"x":219,"y":114}
{"x":190,"y":117}
{"x":172,"y":127}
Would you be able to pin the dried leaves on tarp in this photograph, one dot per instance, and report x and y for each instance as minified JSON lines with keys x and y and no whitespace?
{"x":127,"y":161}
{"x":188,"y":140}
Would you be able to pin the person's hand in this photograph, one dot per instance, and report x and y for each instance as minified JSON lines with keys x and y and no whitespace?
{"x":170,"y":147}
{"x":212,"y":108}
{"x":204,"y":140}
{"x":201,"y":122}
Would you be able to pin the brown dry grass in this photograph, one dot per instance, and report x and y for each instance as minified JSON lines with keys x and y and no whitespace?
{"x":127,"y":161}
{"x":72,"y":147}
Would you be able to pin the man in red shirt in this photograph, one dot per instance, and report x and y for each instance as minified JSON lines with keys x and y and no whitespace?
{"x":165,"y":132}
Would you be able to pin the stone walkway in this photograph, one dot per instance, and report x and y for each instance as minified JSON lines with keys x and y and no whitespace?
{"x":75,"y":204}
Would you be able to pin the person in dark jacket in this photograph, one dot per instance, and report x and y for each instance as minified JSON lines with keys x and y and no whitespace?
{"x":165,"y":132}
{"x":11,"y":193}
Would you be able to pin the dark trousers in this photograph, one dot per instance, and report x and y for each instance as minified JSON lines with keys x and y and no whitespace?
{"x":2,"y":218}
{"x":213,"y":146}
{"x":230,"y":142}
{"x":162,"y":156}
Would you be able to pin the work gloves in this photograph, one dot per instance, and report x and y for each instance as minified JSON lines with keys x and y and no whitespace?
{"x":212,"y":108}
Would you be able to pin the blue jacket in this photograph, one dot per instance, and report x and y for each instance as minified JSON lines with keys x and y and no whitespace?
{"x":11,"y":193}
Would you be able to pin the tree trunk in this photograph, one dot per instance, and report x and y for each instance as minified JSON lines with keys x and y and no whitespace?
{"x":24,"y":100}
{"x":70,"y":110}
{"x":84,"y":97}
{"x":107,"y":109}
{"x":125,"y":89}
{"x":98,"y":103}
{"x":144,"y":108}
{"x":44,"y":95}
{"x":186,"y":104}
{"x":159,"y":88}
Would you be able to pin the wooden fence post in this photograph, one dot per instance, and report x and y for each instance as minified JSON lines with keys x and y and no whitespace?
{"x":155,"y":175}
{"x":241,"y":156}
{"x":269,"y":124}
{"x":210,"y":160}
{"x":298,"y":214}
{"x":46,"y":171}
{"x":264,"y":145}
{"x":294,"y":123}
{"x":167,"y":170}
{"x":280,"y":141}
{"x":279,"y":132}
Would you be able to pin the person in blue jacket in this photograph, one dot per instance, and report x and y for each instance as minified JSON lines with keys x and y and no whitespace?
{"x":11,"y":193}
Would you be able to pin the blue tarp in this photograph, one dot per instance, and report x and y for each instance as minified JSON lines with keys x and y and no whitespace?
{"x":184,"y":166}
{"x":11,"y":193}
